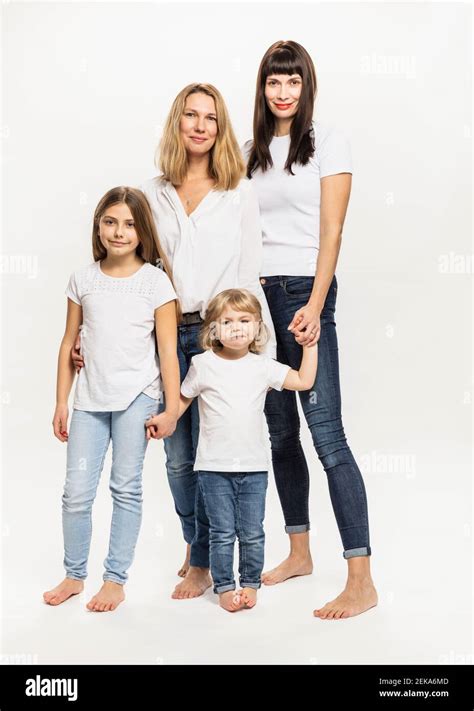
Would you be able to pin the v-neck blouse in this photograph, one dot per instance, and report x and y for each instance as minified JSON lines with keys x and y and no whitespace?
{"x":218,"y":246}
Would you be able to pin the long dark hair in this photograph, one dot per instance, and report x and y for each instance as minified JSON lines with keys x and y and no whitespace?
{"x":284,"y":58}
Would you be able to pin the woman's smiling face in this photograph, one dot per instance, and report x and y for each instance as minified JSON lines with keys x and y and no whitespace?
{"x":282,"y":93}
{"x":198,"y":125}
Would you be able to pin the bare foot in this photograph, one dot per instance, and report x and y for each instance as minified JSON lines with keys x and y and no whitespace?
{"x":63,"y":591}
{"x":195,"y":583}
{"x":291,"y":567}
{"x":108,"y":598}
{"x":185,"y":567}
{"x":231,"y":601}
{"x":357,"y":597}
{"x":249,"y":597}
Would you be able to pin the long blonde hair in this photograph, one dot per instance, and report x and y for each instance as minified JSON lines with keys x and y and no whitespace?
{"x":226,"y":164}
{"x":149,"y":247}
{"x":240,"y":300}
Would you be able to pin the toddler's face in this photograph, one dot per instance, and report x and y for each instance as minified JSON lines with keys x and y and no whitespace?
{"x":236,"y":329}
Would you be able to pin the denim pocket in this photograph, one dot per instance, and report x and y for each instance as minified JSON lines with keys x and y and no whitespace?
{"x":299,"y":286}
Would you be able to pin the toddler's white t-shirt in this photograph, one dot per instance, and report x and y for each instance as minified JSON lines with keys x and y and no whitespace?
{"x":231,"y":401}
{"x":118,"y":335}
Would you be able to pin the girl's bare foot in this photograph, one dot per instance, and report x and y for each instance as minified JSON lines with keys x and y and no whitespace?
{"x":195,"y":583}
{"x":357,"y":597}
{"x":63,"y":591}
{"x":248,"y":597}
{"x":185,"y":567}
{"x":231,"y":601}
{"x":291,"y":567}
{"x":108,"y":598}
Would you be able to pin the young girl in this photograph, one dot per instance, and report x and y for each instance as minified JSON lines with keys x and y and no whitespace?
{"x":120,"y":299}
{"x":231,"y":378}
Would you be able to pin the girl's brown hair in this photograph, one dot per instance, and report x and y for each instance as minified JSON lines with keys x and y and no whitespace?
{"x":226,"y":165}
{"x":240,"y":300}
{"x":149,"y":247}
{"x":284,"y":58}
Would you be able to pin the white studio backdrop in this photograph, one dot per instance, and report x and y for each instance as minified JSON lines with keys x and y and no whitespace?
{"x":86,"y":90}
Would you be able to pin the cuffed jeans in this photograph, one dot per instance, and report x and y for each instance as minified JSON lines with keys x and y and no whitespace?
{"x":180,"y":451}
{"x":322,"y":409}
{"x":89,"y":437}
{"x":235,"y":506}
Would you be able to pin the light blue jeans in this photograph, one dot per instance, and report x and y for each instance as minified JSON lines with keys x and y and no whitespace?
{"x":89,"y":437}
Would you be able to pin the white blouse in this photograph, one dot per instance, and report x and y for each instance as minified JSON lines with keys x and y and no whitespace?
{"x":217,"y":247}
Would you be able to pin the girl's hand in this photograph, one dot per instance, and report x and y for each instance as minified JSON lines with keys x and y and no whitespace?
{"x":160,"y":426}
{"x":60,"y":418}
{"x":306,"y":325}
{"x":77,"y":359}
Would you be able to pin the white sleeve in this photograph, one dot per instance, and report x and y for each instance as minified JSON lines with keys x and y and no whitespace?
{"x":276,"y":373}
{"x":334,"y":153}
{"x":164,"y":291}
{"x":72,"y":290}
{"x":190,"y":385}
{"x":251,"y":255}
{"x":245,"y":150}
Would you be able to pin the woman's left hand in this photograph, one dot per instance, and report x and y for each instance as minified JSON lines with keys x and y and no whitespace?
{"x":306,"y":325}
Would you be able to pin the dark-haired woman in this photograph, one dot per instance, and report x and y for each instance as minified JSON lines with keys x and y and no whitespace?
{"x":302,"y":170}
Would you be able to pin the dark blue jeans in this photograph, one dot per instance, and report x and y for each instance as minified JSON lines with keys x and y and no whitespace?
{"x":322,"y":410}
{"x":180,"y":451}
{"x":235,"y":506}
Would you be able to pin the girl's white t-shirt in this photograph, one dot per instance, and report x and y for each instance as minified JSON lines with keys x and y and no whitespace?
{"x":231,"y":397}
{"x":118,"y":335}
{"x":290,"y":204}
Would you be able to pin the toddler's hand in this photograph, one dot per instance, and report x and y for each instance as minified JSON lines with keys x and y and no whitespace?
{"x":160,"y":426}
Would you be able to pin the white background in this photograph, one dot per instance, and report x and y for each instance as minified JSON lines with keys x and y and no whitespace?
{"x":86,"y":89}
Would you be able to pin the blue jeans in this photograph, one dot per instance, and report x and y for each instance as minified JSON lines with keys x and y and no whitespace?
{"x":322,"y":410}
{"x":180,"y":451}
{"x":89,"y":437}
{"x":235,"y":506}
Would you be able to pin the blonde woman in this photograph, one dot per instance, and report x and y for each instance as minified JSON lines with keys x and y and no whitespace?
{"x":208,"y":222}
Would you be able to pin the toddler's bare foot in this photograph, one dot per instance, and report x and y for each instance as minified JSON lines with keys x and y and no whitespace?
{"x":108,"y":598}
{"x":291,"y":567}
{"x":249,"y":597}
{"x":231,"y":601}
{"x":195,"y":583}
{"x":357,"y":597}
{"x":63,"y":591}
{"x":185,"y":567}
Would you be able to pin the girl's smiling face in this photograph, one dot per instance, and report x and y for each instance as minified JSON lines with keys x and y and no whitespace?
{"x":117,"y":230}
{"x":236,"y":329}
{"x":198,"y":125}
{"x":282,"y":93}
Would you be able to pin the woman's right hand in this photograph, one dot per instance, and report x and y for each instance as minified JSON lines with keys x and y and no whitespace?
{"x":77,"y":359}
{"x":60,"y":418}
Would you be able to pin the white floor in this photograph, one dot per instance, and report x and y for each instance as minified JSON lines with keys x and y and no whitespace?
{"x":421,"y":564}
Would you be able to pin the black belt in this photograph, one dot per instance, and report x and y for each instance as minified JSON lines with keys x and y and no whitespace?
{"x":192,"y":317}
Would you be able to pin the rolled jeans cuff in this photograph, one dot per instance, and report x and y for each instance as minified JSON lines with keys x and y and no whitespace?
{"x":303,"y":528}
{"x":255,"y":586}
{"x":218,"y":589}
{"x":354,"y":552}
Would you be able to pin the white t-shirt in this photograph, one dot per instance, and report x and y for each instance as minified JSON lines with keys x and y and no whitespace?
{"x":290,"y":204}
{"x":231,"y":401}
{"x":218,"y":246}
{"x":117,"y":336}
